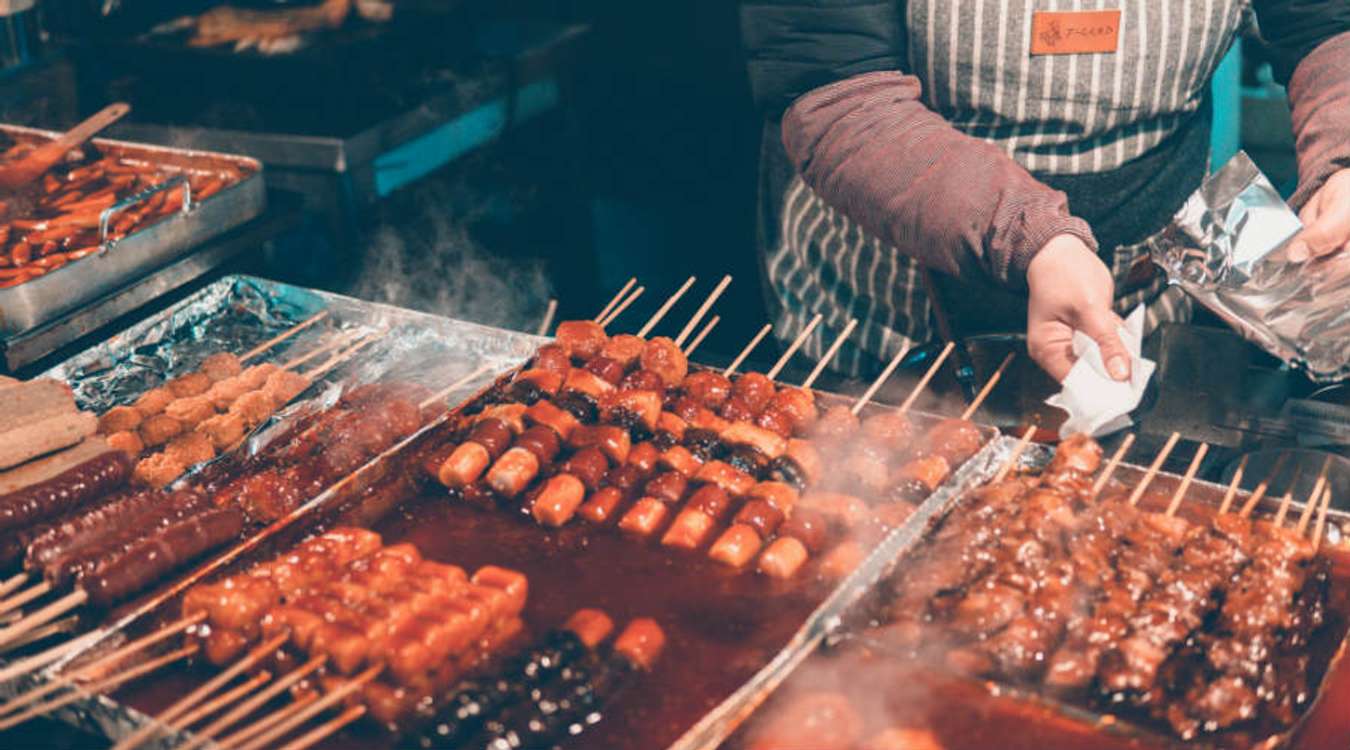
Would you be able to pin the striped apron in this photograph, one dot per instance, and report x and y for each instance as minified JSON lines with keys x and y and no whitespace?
{"x":1056,"y":115}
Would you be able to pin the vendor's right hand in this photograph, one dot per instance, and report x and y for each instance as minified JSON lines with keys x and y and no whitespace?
{"x":1071,"y":289}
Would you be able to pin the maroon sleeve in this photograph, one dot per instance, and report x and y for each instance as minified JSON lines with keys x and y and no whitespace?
{"x":868,"y":146}
{"x":1319,"y":93}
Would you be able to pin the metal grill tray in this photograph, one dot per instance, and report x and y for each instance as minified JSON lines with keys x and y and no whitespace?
{"x":115,"y":371}
{"x":851,"y":622}
{"x":29,"y":305}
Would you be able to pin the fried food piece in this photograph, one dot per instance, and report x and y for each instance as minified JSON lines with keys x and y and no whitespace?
{"x":257,"y":375}
{"x":254,"y":407}
{"x":158,"y":470}
{"x":160,"y":429}
{"x":128,"y":442}
{"x":224,"y":430}
{"x":190,"y":410}
{"x":221,"y":365}
{"x":284,"y":385}
{"x":190,"y":449}
{"x":191,"y":384}
{"x":153,"y":401}
{"x":119,"y":419}
{"x":224,"y":392}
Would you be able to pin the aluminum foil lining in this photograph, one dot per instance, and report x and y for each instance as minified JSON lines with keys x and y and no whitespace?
{"x":1226,"y":248}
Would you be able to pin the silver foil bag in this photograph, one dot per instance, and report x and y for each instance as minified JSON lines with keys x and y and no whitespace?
{"x":1226,"y":248}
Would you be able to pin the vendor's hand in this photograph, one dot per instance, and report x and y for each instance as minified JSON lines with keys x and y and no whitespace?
{"x":1326,"y":220}
{"x":1071,"y":289}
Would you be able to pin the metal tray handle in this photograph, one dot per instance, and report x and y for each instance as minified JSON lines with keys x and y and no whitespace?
{"x":105,"y":218}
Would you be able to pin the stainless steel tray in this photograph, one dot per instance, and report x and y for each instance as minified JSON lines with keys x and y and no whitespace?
{"x":33,"y":303}
{"x":850,"y":620}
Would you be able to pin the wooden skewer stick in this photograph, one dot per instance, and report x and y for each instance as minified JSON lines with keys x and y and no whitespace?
{"x":449,"y":389}
{"x":203,"y":735}
{"x":101,"y":686}
{"x":324,"y":730}
{"x":988,"y":387}
{"x":830,"y":353}
{"x":332,"y":698}
{"x":43,"y":616}
{"x":1111,"y":466}
{"x":237,"y":739}
{"x":1264,"y":486}
{"x":289,"y":332}
{"x":1153,"y":468}
{"x":750,"y":347}
{"x":1321,"y":518}
{"x":66,"y":625}
{"x":343,"y":356}
{"x":29,"y":664}
{"x":1288,"y":497}
{"x":13,"y":584}
{"x":1314,"y":497}
{"x":99,"y":665}
{"x":665,"y":308}
{"x":25,"y":596}
{"x":1233,"y":486}
{"x":220,"y":701}
{"x":712,"y":323}
{"x":885,"y":375}
{"x":793,"y":347}
{"x":1016,"y":456}
{"x":1186,"y":479}
{"x":337,"y":342}
{"x":615,"y":300}
{"x":703,"y":310}
{"x":190,"y":701}
{"x":549,"y":312}
{"x":623,"y":306}
{"x":927,"y":377}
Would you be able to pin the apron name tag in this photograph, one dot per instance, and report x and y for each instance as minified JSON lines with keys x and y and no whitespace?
{"x":1075,"y":32}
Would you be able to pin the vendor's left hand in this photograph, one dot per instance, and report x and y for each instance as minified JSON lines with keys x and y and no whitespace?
{"x":1326,"y":220}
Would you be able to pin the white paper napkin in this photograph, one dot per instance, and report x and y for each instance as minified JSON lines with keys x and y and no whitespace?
{"x":1098,"y":404}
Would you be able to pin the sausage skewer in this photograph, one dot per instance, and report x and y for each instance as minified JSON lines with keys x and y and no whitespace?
{"x":1185,"y":483}
{"x":1264,"y":486}
{"x":830,"y":354}
{"x":1321,"y":518}
{"x":927,"y":376}
{"x":547,"y":322}
{"x":793,"y":347}
{"x":244,"y":709}
{"x":885,"y":375}
{"x":750,"y":347}
{"x":1314,"y":496}
{"x":703,"y":334}
{"x":1233,"y":484}
{"x":987,"y":389}
{"x":1016,"y":456}
{"x":1111,"y":466}
{"x":665,"y":308}
{"x":1153,"y":468}
{"x":604,"y":311}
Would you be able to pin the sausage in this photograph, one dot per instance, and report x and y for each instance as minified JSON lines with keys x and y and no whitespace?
{"x":662,"y":356}
{"x":220,"y":365}
{"x":589,"y":466}
{"x":119,"y":419}
{"x":672,"y":425}
{"x":845,"y":510}
{"x":493,"y":435}
{"x":737,"y":546}
{"x":889,"y":430}
{"x":464,"y":465}
{"x":709,"y":388}
{"x":590,"y":626}
{"x":541,"y":441}
{"x":553,"y":358}
{"x":642,"y":380}
{"x":736,"y":409}
{"x":748,"y":460}
{"x":726,"y":476}
{"x":627,"y":479}
{"x":766,"y":442}
{"x":955,"y":440}
{"x":804,"y":454}
{"x":836,"y":425}
{"x":510,"y":582}
{"x":929,"y":471}
{"x":843,"y":559}
{"x":149,"y":559}
{"x":867,"y":468}
{"x":753,"y":389}
{"x":587,"y":382}
{"x":191,"y":384}
{"x":668,"y":486}
{"x":783,"y":558}
{"x":817,"y":720}
{"x":798,"y":405}
{"x":79,"y":559}
{"x":614,"y":442}
{"x":548,"y":415}
{"x":624,"y":348}
{"x":1077,"y":454}
{"x":710,"y":500}
{"x":510,"y":415}
{"x":600,"y":506}
{"x":680,"y":459}
{"x":761,"y":516}
{"x":582,"y":339}
{"x":808,"y":526}
{"x":71,"y":489}
{"x":775,"y":421}
{"x":607,"y":369}
{"x":558,"y":500}
{"x":778,"y":494}
{"x":645,"y":517}
{"x":543,"y":382}
{"x":513,"y":472}
{"x":689,"y":529}
{"x":82,"y":528}
{"x":644,"y":456}
{"x":623,"y":406}
{"x":641,"y":643}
